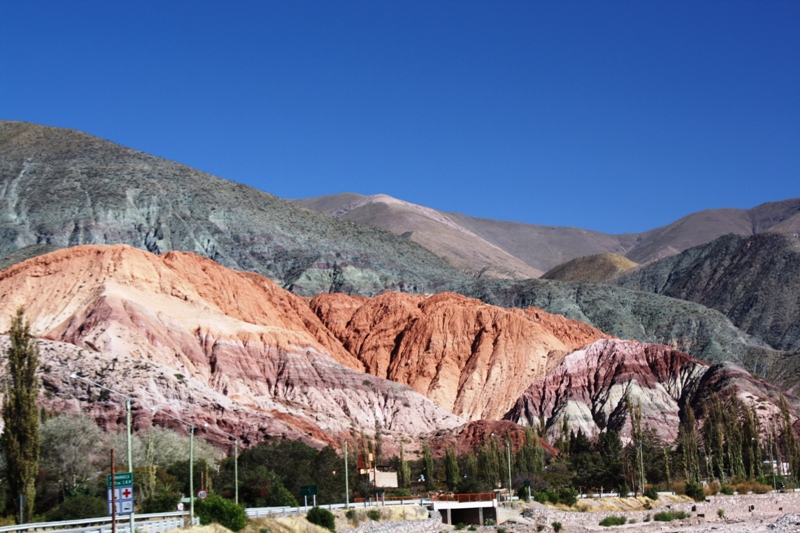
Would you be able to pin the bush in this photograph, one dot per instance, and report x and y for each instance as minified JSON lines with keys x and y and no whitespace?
{"x":669,"y":516}
{"x":646,"y":518}
{"x":651,"y":493}
{"x":460,"y":526}
{"x":162,"y":503}
{"x":556,"y":526}
{"x":568,"y":496}
{"x":472,"y":528}
{"x":695,"y":491}
{"x":613,"y":520}
{"x":721,"y":513}
{"x":321,"y":517}
{"x":501,"y":530}
{"x":540,"y":527}
{"x":374,"y":514}
{"x":77,"y":507}
{"x":219,"y":510}
{"x":351,"y":515}
{"x":713,"y":488}
{"x":489,"y":522}
{"x":726,"y":490}
{"x":544,"y":496}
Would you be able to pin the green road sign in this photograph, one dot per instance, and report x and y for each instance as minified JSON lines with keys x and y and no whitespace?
{"x":379,"y":491}
{"x":308,"y":490}
{"x":123,"y":479}
{"x":527,"y":483}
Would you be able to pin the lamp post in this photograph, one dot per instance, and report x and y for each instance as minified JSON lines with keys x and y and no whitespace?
{"x":74,"y":375}
{"x":191,"y":460}
{"x":235,"y":463}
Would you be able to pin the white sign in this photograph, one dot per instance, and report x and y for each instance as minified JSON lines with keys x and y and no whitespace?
{"x":123,"y":498}
{"x":202,"y":494}
{"x":180,"y":506}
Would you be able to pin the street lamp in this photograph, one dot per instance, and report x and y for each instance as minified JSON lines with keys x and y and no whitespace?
{"x":191,"y":460}
{"x":235,"y":462}
{"x":74,"y":375}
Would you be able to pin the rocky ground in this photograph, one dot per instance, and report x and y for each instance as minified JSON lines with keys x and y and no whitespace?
{"x":766,"y":513}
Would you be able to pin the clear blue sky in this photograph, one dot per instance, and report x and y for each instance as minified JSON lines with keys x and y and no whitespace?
{"x":612,"y":116}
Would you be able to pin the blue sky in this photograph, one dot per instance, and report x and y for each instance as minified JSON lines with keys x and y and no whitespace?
{"x":612,"y":116}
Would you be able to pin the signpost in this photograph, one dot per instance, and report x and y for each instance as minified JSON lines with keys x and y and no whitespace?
{"x":120,"y":492}
{"x":202,"y":495}
{"x":306,"y":491}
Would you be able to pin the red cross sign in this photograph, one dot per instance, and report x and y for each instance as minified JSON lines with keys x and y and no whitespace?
{"x":126,"y":493}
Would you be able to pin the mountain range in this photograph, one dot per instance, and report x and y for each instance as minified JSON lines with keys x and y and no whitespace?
{"x":313,"y":319}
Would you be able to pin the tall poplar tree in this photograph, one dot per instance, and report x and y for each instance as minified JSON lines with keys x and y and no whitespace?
{"x":428,"y":463}
{"x":451,"y":473}
{"x":20,"y":438}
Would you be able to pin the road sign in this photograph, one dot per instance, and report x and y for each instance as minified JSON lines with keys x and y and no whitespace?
{"x":527,"y":483}
{"x":308,"y":490}
{"x":180,"y":506}
{"x":122,"y":496}
{"x":121,"y":479}
{"x":202,"y":494}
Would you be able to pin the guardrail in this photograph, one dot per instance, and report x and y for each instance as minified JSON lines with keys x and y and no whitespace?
{"x":258,"y":512}
{"x":146,"y":523}
{"x":465,"y":498}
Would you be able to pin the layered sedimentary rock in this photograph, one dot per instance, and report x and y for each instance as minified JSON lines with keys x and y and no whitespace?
{"x":64,"y":188}
{"x":591,"y":387}
{"x":754,"y":281}
{"x":471,"y":358}
{"x":217,"y":332}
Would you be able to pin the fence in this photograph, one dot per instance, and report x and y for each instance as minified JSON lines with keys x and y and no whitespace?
{"x":146,"y":523}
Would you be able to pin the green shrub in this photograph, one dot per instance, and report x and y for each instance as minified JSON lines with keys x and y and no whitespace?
{"x":568,"y":496}
{"x":613,"y":520}
{"x":321,"y":517}
{"x":80,"y":506}
{"x":721,"y":513}
{"x":556,"y":526}
{"x":540,"y":527}
{"x":161,"y":503}
{"x":651,"y":493}
{"x":374,"y":514}
{"x":501,"y":530}
{"x":695,"y":491}
{"x":646,"y":518}
{"x":351,"y":515}
{"x":219,"y":510}
{"x":472,"y":528}
{"x":489,"y":522}
{"x":460,"y":526}
{"x":669,"y":516}
{"x":726,"y":490}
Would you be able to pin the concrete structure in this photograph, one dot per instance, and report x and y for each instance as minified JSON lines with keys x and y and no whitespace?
{"x":465,"y":508}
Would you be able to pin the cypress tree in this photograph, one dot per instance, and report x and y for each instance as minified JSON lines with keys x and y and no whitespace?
{"x":20,"y":439}
{"x":428,"y":460}
{"x":404,"y":472}
{"x":451,"y":468}
{"x":789,"y":441}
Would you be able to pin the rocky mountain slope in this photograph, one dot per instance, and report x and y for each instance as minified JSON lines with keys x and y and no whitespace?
{"x":432,"y":229}
{"x":181,"y":332}
{"x":545,"y":247}
{"x":755,"y":281}
{"x":61,"y":188}
{"x":470,"y":358}
{"x":600,"y":267}
{"x":590,"y":387}
{"x":628,"y":314}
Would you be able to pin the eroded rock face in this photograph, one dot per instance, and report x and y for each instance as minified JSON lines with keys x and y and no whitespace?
{"x":473,"y":359}
{"x":234,"y":336}
{"x":591,"y":385}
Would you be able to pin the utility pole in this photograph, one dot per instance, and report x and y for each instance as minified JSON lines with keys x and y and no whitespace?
{"x":113,"y":495}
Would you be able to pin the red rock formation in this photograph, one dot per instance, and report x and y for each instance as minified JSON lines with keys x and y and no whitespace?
{"x":225,"y":343}
{"x":470,"y":358}
{"x":590,"y":387}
